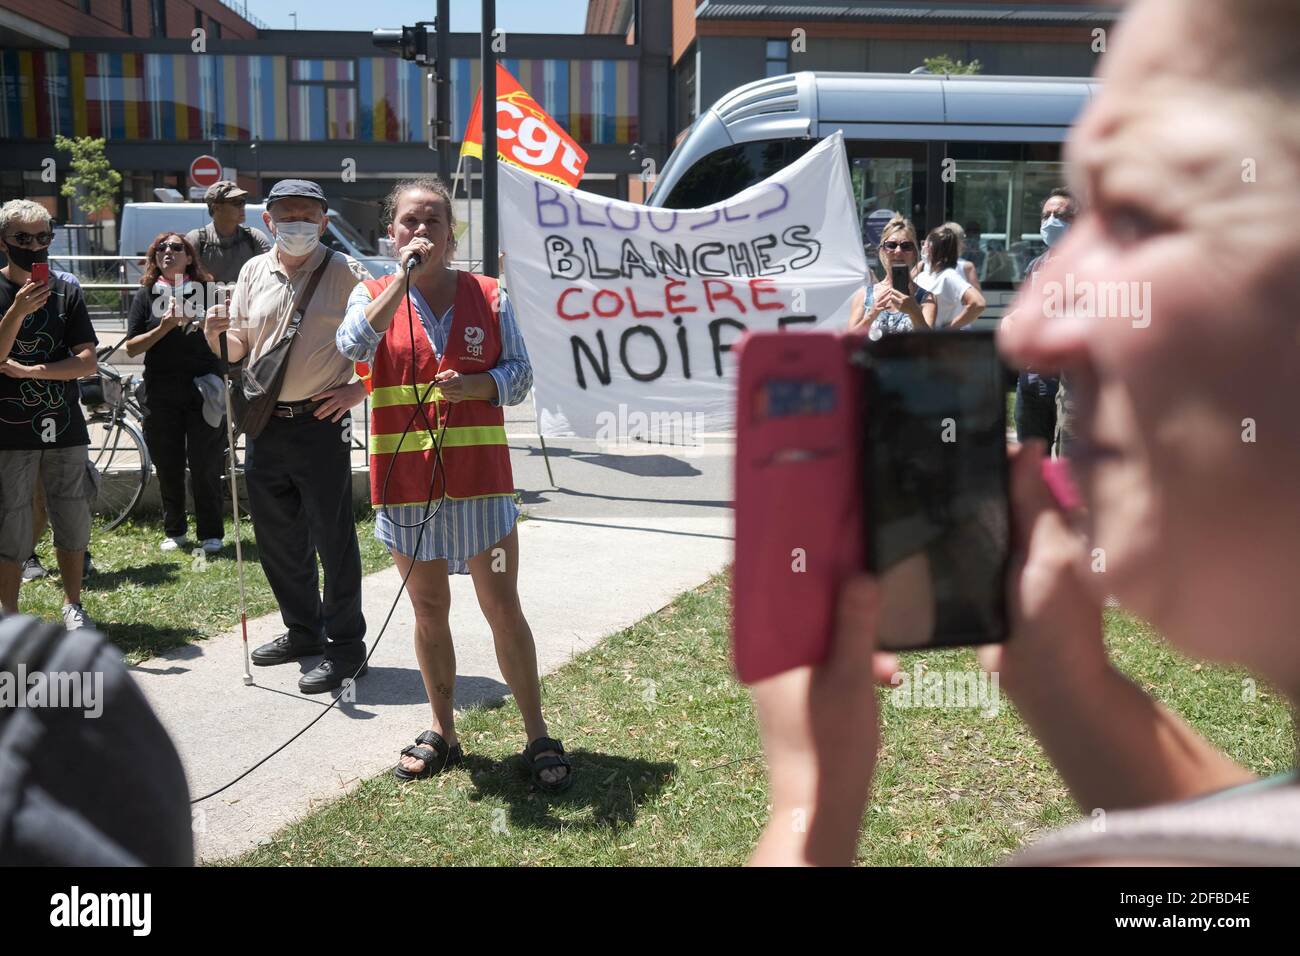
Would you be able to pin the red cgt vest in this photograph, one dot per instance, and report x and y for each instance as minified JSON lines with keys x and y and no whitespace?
{"x":475,"y":459}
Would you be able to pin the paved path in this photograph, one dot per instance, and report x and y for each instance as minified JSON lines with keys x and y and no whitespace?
{"x":622,"y":535}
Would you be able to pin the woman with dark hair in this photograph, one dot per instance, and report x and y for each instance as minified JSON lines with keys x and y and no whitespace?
{"x":958,"y":303}
{"x":164,"y":324}
{"x":443,"y":361}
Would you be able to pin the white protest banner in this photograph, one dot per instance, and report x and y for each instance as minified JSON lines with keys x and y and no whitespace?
{"x":630,"y":312}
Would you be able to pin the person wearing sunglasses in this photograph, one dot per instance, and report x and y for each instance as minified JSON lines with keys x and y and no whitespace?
{"x":164,"y":324}
{"x":225,"y":244}
{"x":46,"y":343}
{"x":880,"y":309}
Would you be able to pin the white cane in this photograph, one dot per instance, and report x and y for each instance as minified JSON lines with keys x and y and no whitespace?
{"x":234,"y":503}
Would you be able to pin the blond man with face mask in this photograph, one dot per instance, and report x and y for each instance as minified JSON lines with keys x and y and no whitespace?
{"x":1186,"y":451}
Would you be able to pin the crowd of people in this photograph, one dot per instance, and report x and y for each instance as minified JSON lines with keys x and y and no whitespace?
{"x":444,"y":507}
{"x":944,"y":294}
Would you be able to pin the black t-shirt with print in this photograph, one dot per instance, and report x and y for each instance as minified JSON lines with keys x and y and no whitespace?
{"x":41,"y":413}
{"x":181,"y":355}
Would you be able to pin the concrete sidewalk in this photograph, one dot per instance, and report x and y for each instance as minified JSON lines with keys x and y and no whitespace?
{"x":585,"y":573}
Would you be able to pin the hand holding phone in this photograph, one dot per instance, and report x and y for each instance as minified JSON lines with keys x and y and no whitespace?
{"x":41,"y":272}
{"x":31,"y":297}
{"x":888,"y":456}
{"x":798,"y":534}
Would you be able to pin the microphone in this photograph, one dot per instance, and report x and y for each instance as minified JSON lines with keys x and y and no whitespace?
{"x":413,"y":261}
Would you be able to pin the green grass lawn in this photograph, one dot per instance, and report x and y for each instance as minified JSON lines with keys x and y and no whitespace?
{"x":148,"y":601}
{"x":669,"y":772}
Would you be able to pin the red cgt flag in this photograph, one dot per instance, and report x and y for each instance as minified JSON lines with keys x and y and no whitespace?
{"x":527,"y":135}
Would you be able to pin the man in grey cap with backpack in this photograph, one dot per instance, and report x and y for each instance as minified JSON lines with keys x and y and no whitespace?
{"x":225,"y":244}
{"x":283,"y":316}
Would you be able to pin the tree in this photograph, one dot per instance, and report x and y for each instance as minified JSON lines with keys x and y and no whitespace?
{"x":949,"y":67}
{"x":91,"y":182}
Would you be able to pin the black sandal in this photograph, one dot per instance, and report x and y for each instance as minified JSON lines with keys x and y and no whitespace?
{"x":437,"y":756}
{"x":537,"y":764}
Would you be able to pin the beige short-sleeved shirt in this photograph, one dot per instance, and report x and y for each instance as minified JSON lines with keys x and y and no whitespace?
{"x":260,"y":311}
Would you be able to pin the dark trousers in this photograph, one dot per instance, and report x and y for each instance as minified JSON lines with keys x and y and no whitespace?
{"x":177,"y":436}
{"x":1036,"y":408}
{"x":299,"y":474}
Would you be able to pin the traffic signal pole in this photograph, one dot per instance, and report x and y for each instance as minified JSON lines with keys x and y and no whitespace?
{"x":489,"y":59}
{"x":442,"y":94}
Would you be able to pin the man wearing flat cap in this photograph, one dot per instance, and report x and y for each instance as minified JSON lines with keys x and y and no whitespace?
{"x":299,"y":468}
{"x":225,"y":244}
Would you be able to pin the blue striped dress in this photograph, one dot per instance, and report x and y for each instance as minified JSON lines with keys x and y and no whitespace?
{"x":460,"y":529}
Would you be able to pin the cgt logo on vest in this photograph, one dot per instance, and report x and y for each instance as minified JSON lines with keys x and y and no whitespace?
{"x":474,"y":342}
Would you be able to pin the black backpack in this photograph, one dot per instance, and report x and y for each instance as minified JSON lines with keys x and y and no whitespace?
{"x":79,"y":788}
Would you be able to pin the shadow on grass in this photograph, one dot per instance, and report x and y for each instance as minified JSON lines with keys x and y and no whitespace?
{"x":138,"y":642}
{"x":611,"y":785}
{"x":145,"y":575}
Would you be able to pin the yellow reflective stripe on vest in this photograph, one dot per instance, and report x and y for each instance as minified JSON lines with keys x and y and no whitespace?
{"x":390,"y":395}
{"x":465,"y":436}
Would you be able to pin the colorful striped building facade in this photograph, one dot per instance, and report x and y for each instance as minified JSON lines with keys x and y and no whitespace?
{"x":125,"y":96}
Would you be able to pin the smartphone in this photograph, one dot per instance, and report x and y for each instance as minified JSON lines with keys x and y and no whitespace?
{"x":796,"y":497}
{"x":900,"y":277}
{"x":935,"y":487}
{"x":41,"y":272}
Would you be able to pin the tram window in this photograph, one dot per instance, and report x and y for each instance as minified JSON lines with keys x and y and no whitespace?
{"x":996,"y":196}
{"x":725,"y":172}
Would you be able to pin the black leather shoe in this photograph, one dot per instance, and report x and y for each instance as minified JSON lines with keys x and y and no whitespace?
{"x":284,"y":649}
{"x":328,"y":675}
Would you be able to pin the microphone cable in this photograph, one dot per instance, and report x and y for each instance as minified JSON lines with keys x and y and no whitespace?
{"x":421,"y":524}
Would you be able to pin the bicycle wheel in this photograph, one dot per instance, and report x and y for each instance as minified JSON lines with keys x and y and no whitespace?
{"x":119,"y":454}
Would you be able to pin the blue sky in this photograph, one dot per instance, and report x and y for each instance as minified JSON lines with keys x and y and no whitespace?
{"x":520,"y":16}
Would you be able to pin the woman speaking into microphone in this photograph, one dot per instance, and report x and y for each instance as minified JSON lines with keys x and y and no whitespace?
{"x":444,"y":360}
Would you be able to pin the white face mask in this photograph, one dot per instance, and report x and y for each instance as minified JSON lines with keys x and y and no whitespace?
{"x":297,"y":238}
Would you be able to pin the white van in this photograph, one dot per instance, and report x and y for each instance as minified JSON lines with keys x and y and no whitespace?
{"x":143,"y":221}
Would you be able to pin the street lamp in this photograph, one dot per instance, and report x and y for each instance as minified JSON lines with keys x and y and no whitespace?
{"x":257,"y":163}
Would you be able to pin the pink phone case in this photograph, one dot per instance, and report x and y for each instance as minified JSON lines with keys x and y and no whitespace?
{"x":797,"y":502}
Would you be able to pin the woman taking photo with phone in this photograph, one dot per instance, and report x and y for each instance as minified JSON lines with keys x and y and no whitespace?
{"x":443,"y":363}
{"x":164,"y":325}
{"x":883,"y":308}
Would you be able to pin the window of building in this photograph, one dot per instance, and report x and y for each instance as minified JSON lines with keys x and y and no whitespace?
{"x":128,"y":17}
{"x":778,"y":57}
{"x":322,"y":98}
{"x":684,"y":102}
{"x":158,"y":18}
{"x":198,"y":19}
{"x":85,"y":6}
{"x":214,"y":29}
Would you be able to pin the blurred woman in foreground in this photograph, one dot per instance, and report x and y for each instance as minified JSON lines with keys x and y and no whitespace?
{"x":1188,"y":461}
